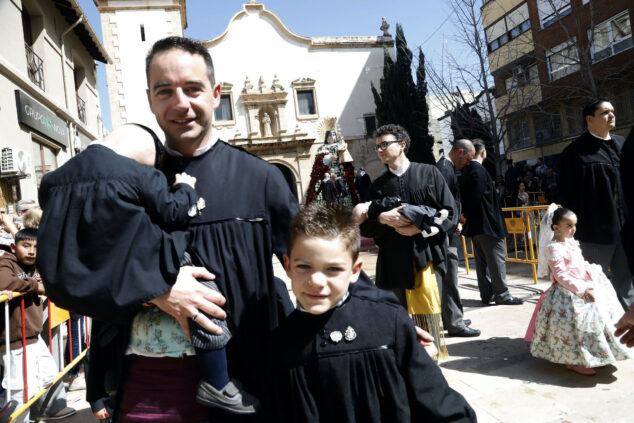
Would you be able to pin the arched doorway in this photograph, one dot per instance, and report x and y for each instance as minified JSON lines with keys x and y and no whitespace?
{"x":290,"y":178}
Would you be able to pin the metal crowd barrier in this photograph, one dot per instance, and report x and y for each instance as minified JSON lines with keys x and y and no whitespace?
{"x":56,"y":317}
{"x":523,"y":225}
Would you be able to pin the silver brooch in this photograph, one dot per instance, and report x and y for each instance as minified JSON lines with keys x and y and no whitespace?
{"x":350,"y":334}
{"x":336,"y":336}
{"x":200,"y":205}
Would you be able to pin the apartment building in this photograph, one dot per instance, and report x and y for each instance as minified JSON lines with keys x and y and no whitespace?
{"x":49,"y":102}
{"x":549,"y":57}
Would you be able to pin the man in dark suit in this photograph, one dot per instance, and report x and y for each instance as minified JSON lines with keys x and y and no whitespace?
{"x":452,"y":315}
{"x":362,"y":183}
{"x":485,"y":226}
{"x":591,"y":186}
{"x":328,"y":189}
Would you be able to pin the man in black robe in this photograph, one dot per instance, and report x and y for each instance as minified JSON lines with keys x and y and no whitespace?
{"x":460,"y":155}
{"x":591,"y":186}
{"x":402,"y":248}
{"x":328,"y":189}
{"x":362,"y":183}
{"x":627,"y":178}
{"x":485,"y":226}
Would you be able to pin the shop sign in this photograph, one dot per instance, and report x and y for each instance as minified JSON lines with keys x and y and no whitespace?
{"x":34,"y":115}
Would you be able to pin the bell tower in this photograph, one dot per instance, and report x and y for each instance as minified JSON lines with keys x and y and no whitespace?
{"x":129,"y":28}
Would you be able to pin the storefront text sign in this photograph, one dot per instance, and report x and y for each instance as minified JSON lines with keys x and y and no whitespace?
{"x":34,"y":115}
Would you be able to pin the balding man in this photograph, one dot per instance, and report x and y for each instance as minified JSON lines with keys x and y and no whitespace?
{"x":452,"y":314}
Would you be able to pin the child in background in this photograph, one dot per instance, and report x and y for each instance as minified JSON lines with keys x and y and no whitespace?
{"x":18,"y":274}
{"x":111,"y":220}
{"x":522,"y":196}
{"x":343,"y":356}
{"x":574,"y":320}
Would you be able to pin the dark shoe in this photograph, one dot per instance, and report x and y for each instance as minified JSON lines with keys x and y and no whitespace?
{"x":467,"y":322}
{"x":5,"y":412}
{"x":486,"y":303}
{"x":61,"y":414}
{"x":510,"y":301}
{"x":231,"y":398}
{"x":467,"y":332}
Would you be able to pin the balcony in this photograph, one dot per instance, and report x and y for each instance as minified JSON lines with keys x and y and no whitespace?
{"x":81,"y":109}
{"x":35,"y":67}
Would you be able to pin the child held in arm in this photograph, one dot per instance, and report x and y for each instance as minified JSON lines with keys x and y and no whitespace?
{"x":574,"y":320}
{"x":343,"y":356}
{"x":423,"y":217}
{"x":109,"y":215}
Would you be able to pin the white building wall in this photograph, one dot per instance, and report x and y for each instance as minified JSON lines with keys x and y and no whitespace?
{"x":47,"y":24}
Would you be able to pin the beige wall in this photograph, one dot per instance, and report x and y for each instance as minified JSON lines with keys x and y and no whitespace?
{"x":511,"y":51}
{"x":58,"y":97}
{"x":519,"y":98}
{"x":495,"y":9}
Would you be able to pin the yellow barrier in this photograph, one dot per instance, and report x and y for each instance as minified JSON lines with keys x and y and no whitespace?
{"x":523,"y":225}
{"x":57,"y":316}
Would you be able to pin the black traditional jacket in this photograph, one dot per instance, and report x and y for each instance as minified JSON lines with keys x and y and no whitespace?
{"x":421,"y":184}
{"x":358,"y":362}
{"x":590,"y":185}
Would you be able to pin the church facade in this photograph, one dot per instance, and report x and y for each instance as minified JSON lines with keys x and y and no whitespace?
{"x":278,"y":88}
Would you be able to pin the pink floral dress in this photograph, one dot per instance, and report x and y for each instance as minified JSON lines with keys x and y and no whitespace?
{"x":567,"y":329}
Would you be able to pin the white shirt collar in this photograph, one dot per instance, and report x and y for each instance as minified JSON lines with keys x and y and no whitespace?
{"x":451,"y":161}
{"x":401,"y":169}
{"x":199,"y":151}
{"x":601,"y":138}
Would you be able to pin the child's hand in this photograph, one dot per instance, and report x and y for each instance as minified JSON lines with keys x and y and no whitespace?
{"x":587,"y":296}
{"x":7,"y":293}
{"x":101,"y":414}
{"x":183,"y":178}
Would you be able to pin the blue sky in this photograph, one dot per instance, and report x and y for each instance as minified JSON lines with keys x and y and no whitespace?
{"x":425,"y":23}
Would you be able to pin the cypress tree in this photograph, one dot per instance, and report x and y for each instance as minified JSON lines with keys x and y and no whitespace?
{"x":403,"y":102}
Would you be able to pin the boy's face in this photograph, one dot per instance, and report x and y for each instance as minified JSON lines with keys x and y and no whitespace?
{"x":25,"y":251}
{"x":320,"y":271}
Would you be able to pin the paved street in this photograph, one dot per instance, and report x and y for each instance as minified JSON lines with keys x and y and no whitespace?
{"x":496,"y":372}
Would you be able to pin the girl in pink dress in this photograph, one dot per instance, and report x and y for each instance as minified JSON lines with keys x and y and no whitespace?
{"x":574,"y":320}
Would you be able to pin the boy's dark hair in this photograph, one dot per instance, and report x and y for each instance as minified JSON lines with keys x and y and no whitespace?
{"x":398,"y":131}
{"x":26,"y":234}
{"x":180,"y":43}
{"x":591,"y":107}
{"x":560,"y":214}
{"x":328,"y":221}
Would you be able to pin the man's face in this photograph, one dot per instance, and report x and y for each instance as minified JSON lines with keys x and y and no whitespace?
{"x":320,"y":271}
{"x":25,"y":251}
{"x":182,"y":98}
{"x":603,"y":119}
{"x":464,"y":158}
{"x":392,"y":151}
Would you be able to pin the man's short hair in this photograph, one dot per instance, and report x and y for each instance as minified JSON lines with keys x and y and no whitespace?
{"x":398,"y":131}
{"x":478,"y":145}
{"x":326,"y":221}
{"x":24,"y":205}
{"x":26,"y":234}
{"x":192,"y":47}
{"x":462,"y":144}
{"x":591,"y":107}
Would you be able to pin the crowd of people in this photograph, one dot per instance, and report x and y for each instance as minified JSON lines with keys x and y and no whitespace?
{"x":523,"y":185}
{"x":191,"y":325}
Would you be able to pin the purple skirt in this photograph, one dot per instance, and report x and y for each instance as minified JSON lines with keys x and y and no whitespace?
{"x":161,"y":390}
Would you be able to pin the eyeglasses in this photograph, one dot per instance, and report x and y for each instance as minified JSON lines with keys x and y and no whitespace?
{"x":384,"y":145}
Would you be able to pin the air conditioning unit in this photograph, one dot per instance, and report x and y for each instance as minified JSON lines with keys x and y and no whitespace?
{"x":15,"y":161}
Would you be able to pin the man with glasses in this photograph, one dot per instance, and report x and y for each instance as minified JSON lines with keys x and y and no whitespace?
{"x":403,"y":251}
